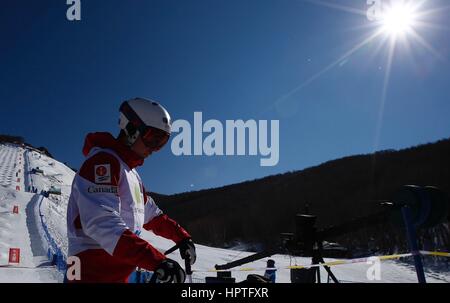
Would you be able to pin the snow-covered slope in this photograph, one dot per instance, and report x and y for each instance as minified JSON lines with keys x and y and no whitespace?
{"x":19,"y":230}
{"x":59,"y":176}
{"x":25,"y":230}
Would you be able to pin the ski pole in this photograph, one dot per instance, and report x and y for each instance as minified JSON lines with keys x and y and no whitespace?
{"x":172,"y":249}
{"x":187,"y":266}
{"x":187,"y":263}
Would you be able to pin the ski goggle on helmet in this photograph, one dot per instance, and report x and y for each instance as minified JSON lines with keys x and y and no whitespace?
{"x":146,"y":118}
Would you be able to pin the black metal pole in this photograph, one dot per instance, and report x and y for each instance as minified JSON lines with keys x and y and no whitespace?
{"x":412,"y":241}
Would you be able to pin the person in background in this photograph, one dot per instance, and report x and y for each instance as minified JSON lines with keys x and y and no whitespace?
{"x":270,"y":271}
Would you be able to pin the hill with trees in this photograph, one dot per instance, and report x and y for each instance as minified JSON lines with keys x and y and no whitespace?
{"x":256,"y":212}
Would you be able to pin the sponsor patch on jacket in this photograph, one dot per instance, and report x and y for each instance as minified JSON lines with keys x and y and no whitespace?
{"x":102,"y":173}
{"x":103,"y":189}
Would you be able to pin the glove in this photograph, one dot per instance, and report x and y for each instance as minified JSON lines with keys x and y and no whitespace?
{"x":170,"y":271}
{"x":187,"y":250}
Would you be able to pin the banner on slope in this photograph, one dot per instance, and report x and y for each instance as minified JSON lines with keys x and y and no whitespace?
{"x":14,"y":255}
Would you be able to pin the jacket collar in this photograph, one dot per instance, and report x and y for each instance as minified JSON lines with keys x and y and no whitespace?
{"x":106,"y":140}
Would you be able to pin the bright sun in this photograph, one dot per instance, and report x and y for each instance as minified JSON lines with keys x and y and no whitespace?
{"x":398,"y":19}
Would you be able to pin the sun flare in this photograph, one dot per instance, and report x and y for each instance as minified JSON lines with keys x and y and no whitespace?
{"x":398,"y":19}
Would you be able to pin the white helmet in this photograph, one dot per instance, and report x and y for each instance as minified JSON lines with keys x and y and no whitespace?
{"x":144,"y":117}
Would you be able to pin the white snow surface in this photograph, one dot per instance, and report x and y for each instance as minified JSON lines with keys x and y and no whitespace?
{"x":24,"y":230}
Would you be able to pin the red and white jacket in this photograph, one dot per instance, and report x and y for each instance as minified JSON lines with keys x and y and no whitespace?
{"x":106,"y":211}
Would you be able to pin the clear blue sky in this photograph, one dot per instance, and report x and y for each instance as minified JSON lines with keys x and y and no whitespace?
{"x":231,"y":60}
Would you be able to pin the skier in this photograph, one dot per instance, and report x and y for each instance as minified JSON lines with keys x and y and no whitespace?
{"x":108,"y":204}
